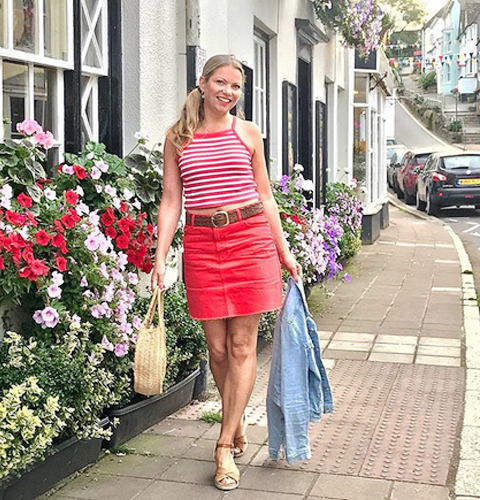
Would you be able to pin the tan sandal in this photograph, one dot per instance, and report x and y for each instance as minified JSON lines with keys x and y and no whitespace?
{"x":222,"y":473}
{"x":240,"y":443}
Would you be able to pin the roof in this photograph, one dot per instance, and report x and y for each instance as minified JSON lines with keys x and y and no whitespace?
{"x":437,"y":15}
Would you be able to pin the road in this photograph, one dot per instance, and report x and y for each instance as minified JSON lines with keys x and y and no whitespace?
{"x":465,"y":221}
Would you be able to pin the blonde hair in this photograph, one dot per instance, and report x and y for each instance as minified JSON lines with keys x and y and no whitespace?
{"x":192,"y":115}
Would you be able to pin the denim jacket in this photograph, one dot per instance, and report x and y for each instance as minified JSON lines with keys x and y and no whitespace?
{"x":298,"y":388}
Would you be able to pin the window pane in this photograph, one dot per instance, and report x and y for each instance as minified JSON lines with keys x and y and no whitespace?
{"x":45,"y":103}
{"x":92,"y":33}
{"x":15,"y":82}
{"x":24,"y":25}
{"x":3,"y":24}
{"x":55,"y":28}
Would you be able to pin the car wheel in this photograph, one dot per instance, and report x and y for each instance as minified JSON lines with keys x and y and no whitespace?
{"x":400,"y":194}
{"x":409,"y":199}
{"x":431,"y":207}
{"x":420,"y":204}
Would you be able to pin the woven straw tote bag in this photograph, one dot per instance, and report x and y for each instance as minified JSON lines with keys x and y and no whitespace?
{"x":151,"y":350}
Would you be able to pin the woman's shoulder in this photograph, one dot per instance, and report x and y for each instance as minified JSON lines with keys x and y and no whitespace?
{"x":247,"y":127}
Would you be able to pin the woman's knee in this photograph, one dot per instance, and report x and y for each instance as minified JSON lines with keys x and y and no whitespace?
{"x":218,"y":353}
{"x":242,"y":349}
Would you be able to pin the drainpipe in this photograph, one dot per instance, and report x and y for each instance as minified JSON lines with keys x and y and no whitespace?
{"x":193,"y":41}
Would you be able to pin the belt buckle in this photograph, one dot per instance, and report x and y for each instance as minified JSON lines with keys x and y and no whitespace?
{"x":222,"y":213}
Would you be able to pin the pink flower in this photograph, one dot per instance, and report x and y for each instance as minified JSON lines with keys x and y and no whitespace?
{"x":46,"y":318}
{"x":107,"y":344}
{"x":96,"y":173}
{"x":121,"y":350}
{"x":54,"y":291}
{"x":29,"y":127}
{"x":45,"y":139}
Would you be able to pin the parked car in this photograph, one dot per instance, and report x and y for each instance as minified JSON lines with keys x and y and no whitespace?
{"x":413,"y":161}
{"x":394,"y":157}
{"x":391,"y":141}
{"x":449,"y":178}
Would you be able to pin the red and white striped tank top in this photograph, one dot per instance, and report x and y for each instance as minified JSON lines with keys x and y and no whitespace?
{"x":216,"y":169}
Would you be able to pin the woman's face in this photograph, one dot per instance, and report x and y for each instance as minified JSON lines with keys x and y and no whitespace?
{"x":223,"y":89}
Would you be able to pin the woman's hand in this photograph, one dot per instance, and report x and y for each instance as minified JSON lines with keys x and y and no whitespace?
{"x":289,"y":262}
{"x":158,"y":275}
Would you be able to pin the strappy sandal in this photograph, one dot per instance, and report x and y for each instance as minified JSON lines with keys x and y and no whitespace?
{"x":222,"y":473}
{"x":240,"y":443}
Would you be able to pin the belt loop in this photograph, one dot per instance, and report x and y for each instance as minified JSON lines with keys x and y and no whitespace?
{"x":239,"y":214}
{"x":192,"y":219}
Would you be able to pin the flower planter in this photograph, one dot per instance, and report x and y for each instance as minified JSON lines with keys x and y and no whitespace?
{"x":65,"y":459}
{"x":137,"y":417}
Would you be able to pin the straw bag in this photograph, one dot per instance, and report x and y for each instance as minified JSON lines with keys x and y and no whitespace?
{"x":151,"y":350}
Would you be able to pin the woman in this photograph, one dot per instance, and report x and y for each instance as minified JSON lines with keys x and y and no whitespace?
{"x":233,"y":240}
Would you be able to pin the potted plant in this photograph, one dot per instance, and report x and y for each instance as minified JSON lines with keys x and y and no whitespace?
{"x":186,"y":350}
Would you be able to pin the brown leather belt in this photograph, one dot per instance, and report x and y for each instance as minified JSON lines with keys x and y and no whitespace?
{"x":223,"y":218}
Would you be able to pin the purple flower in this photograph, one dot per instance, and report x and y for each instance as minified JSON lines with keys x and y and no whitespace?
{"x":107,"y":344}
{"x":47,"y":317}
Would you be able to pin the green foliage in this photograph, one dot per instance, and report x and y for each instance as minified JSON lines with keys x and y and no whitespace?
{"x":186,"y":345}
{"x":65,"y":377}
{"x":267,"y":325}
{"x":428,"y":80}
{"x":406,"y":12}
{"x":455,"y":126}
{"x":211,"y":417}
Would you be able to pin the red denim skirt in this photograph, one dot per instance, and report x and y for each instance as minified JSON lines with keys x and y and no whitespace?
{"x":233,"y":270}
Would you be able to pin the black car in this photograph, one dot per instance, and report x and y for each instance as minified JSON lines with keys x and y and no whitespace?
{"x":449,"y":178}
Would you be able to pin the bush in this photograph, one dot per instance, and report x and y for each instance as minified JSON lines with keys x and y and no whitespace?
{"x":455,"y":126}
{"x":342,"y":203}
{"x":428,"y":80}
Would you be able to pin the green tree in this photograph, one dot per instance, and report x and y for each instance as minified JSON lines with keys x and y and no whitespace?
{"x":407,"y":13}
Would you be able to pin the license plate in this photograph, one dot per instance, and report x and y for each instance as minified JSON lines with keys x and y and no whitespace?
{"x":469,"y":182}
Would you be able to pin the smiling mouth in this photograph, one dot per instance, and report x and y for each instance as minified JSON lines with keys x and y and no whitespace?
{"x":224,"y":99}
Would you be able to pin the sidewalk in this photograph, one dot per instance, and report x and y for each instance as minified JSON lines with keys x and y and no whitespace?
{"x":394,"y":340}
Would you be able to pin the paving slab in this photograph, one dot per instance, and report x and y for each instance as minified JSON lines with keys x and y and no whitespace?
{"x":132,"y":466}
{"x":412,"y":491}
{"x":105,"y":487}
{"x":179,"y":491}
{"x":277,"y":480}
{"x":154,"y":444}
{"x":180,"y":428}
{"x":350,"y":488}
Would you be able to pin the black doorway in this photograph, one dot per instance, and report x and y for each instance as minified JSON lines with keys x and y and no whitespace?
{"x":305,"y":117}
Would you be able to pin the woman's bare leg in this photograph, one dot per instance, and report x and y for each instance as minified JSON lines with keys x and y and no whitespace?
{"x":232,"y":346}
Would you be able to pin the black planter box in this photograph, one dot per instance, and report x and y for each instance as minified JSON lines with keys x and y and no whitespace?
{"x":65,"y":459}
{"x":136,"y":418}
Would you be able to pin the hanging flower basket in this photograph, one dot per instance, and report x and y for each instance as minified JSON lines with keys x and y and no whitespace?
{"x":362,"y":23}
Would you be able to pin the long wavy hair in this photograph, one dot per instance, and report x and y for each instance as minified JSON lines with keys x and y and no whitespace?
{"x":192,"y":115}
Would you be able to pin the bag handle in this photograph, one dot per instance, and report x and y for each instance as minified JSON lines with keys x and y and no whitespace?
{"x":157,"y":300}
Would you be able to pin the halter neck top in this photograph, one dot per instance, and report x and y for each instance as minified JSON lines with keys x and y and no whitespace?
{"x":216,"y":169}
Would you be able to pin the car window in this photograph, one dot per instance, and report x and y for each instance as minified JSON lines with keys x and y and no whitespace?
{"x":420,"y":159}
{"x":429,"y":163}
{"x":471,"y":162}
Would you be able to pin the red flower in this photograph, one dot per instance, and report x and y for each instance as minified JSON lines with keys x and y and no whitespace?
{"x":69,"y":220}
{"x":110,"y":231}
{"x":24,"y":200}
{"x":61,"y":263}
{"x":150,"y":229}
{"x":123,"y":207}
{"x":108,"y":217}
{"x":146,"y":266}
{"x":14,"y":218}
{"x":122,"y":241}
{"x":79,"y":171}
{"x":58,"y":226}
{"x":2,"y":264}
{"x":126,"y":224}
{"x":34,"y":270}
{"x":71,"y":197}
{"x":42,"y":238}
{"x":58,"y":240}
{"x":31,"y":219}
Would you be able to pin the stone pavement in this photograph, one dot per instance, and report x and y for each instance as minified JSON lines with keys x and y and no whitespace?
{"x":394,"y":341}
